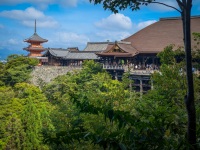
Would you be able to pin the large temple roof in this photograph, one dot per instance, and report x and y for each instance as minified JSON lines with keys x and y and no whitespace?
{"x":96,"y":46}
{"x":157,"y":36}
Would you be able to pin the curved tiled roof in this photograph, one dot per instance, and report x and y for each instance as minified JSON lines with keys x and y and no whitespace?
{"x":96,"y":46}
{"x":57,"y":52}
{"x":157,"y":36}
{"x":35,"y":38}
{"x":68,"y":54}
{"x":128,"y":50}
{"x":81,"y":55}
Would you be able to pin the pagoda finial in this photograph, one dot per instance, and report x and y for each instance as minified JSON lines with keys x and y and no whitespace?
{"x":35,"y":25}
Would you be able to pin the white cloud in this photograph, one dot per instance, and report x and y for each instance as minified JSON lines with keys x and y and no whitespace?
{"x":13,"y":42}
{"x":115,"y":22}
{"x":29,"y":13}
{"x":67,"y":39}
{"x":72,"y":37}
{"x":112,"y":36}
{"x":144,"y":24}
{"x":28,"y":16}
{"x":42,"y":3}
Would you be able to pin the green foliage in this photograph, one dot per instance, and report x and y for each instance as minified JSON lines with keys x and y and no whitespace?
{"x":116,"y":5}
{"x":167,"y":56}
{"x":23,"y":116}
{"x":17,"y":69}
{"x":87,"y":110}
{"x":93,"y":110}
{"x":196,"y":50}
{"x":1,"y":73}
{"x":84,"y":102}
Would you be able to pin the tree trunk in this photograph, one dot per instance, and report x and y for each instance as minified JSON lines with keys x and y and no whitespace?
{"x":189,"y":99}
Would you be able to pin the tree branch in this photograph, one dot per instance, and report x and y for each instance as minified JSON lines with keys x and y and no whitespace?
{"x":167,"y":6}
{"x":180,"y":4}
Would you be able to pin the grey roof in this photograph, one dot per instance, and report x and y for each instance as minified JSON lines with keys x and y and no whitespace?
{"x":58,"y":52}
{"x":35,"y":37}
{"x":73,"y":49}
{"x":96,"y":46}
{"x":81,"y":55}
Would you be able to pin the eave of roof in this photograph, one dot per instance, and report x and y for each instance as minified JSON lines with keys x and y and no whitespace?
{"x":81,"y":55}
{"x":116,"y":54}
{"x":126,"y":47}
{"x":35,"y":38}
{"x":96,"y":46}
{"x":34,"y":48}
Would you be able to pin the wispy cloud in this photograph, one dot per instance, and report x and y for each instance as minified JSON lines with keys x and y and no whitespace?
{"x":144,"y":24}
{"x":42,"y":3}
{"x":115,"y":22}
{"x":67,"y":39}
{"x":28,"y":13}
{"x":111,"y":35}
{"x":13,"y":42}
{"x":27,"y":16}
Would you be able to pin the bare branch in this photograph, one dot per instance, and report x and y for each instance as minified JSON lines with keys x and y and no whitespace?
{"x":167,"y":6}
{"x":180,"y":4}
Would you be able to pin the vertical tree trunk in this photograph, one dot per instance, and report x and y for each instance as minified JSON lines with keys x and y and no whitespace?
{"x":189,"y":99}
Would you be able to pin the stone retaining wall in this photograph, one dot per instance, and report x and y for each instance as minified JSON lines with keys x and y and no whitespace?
{"x":44,"y":74}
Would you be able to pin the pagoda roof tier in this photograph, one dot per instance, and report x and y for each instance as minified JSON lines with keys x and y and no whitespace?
{"x":35,"y":38}
{"x":34,"y":48}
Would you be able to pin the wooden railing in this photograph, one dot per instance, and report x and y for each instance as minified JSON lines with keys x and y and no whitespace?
{"x":113,"y":67}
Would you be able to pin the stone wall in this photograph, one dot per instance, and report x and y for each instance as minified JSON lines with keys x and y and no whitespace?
{"x":44,"y":74}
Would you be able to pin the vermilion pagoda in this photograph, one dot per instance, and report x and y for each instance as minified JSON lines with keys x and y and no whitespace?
{"x":35,"y":48}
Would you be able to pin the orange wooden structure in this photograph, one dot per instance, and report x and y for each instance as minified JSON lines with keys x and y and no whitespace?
{"x":35,"y":48}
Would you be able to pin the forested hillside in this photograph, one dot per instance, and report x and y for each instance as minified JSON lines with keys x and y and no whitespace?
{"x":86,"y":109}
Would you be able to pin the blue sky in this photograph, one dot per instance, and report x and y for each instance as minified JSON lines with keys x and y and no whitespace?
{"x":73,"y":23}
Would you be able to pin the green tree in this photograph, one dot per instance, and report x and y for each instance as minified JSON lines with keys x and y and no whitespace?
{"x":1,"y":73}
{"x":196,"y":51}
{"x":24,"y":115}
{"x":85,"y":102}
{"x":11,"y":132}
{"x":185,"y":12}
{"x":18,"y":69}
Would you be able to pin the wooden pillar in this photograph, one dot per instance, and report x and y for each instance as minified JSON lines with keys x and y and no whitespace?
{"x":151,"y":84}
{"x":141,"y":87}
{"x":116,"y":75}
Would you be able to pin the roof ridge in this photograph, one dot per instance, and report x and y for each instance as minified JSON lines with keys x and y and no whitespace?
{"x":99,"y":42}
{"x":177,"y":18}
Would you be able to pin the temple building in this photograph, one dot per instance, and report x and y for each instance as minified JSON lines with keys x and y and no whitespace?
{"x":136,"y":53}
{"x":35,"y":47}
